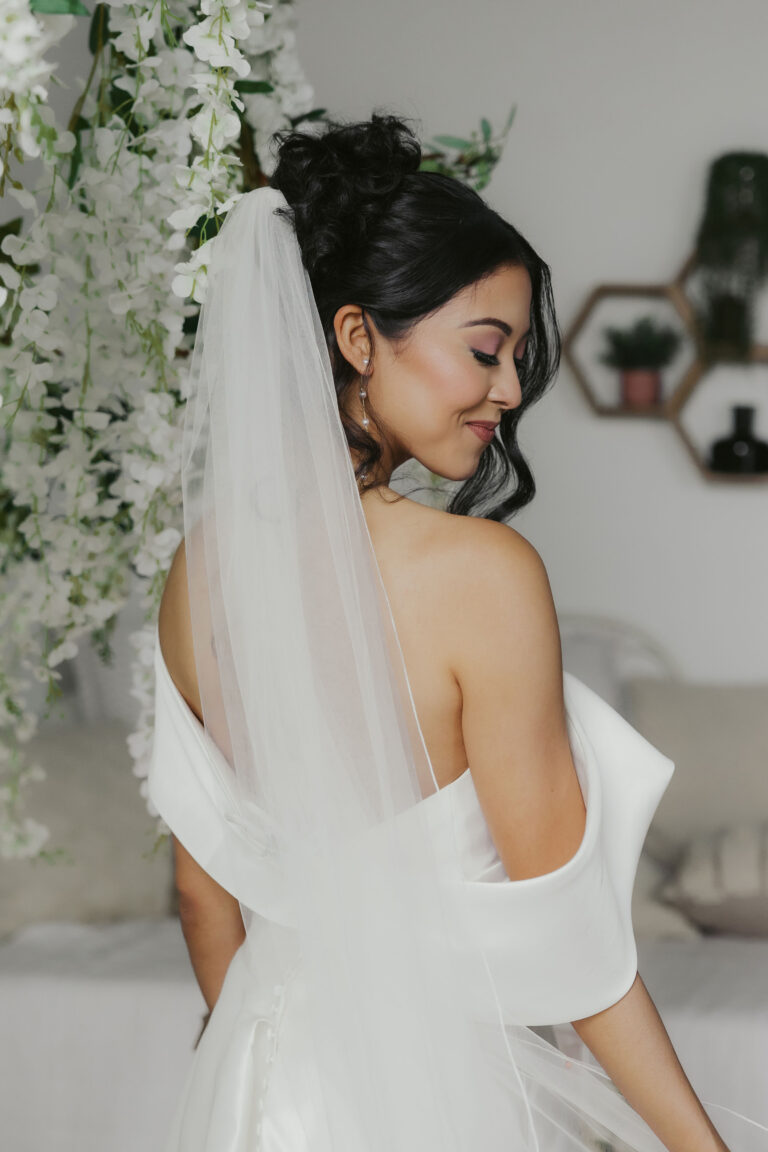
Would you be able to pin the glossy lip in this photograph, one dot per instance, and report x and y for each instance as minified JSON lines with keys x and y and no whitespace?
{"x":483,"y":429}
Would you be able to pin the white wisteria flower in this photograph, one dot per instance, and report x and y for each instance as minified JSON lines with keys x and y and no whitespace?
{"x":95,"y":293}
{"x":98,"y":298}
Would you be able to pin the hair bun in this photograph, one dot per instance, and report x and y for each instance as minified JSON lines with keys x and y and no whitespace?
{"x":338,"y":182}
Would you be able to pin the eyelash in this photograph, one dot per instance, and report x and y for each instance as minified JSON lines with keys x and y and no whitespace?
{"x":492,"y":361}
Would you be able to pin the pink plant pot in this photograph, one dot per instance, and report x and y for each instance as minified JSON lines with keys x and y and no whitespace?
{"x":640,"y":387}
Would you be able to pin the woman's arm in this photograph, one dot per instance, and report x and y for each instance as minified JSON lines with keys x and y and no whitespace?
{"x":508,"y":662}
{"x":211,"y":922}
{"x":210,"y":916}
{"x":631,"y":1044}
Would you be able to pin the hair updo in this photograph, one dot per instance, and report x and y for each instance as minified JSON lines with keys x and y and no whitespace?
{"x":376,"y":231}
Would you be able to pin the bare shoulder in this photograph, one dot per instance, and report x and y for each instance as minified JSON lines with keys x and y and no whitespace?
{"x":506,"y":622}
{"x":484,"y":580}
{"x":506,"y":656}
{"x":174,"y":626}
{"x":499,"y":544}
{"x":493,"y":567}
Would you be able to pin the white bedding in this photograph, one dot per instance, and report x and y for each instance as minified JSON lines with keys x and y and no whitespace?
{"x":98,"y":1024}
{"x":712,"y":995}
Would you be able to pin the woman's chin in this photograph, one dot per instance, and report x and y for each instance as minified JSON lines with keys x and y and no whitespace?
{"x":454,"y":469}
{"x":456,"y":472}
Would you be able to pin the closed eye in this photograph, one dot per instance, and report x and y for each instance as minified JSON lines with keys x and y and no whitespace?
{"x":488,"y":359}
{"x":484,"y":357}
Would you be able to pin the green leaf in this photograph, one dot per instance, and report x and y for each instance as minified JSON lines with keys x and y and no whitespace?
{"x":253,"y":86}
{"x":315,"y":114}
{"x":76,"y":155}
{"x":59,"y":7}
{"x":453,"y":142}
{"x":121,"y":103}
{"x":510,"y":118}
{"x":99,"y":29}
{"x":487,"y":130}
{"x":482,"y":176}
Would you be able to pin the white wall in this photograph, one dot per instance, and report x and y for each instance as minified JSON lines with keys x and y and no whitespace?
{"x":621,"y":108}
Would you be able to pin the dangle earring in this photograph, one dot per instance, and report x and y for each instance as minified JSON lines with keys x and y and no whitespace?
{"x":362,"y":393}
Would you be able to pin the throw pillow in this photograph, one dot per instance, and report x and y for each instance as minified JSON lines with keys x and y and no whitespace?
{"x":717,"y":735}
{"x":721,"y":883}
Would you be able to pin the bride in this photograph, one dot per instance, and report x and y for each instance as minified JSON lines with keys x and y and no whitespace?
{"x":404,"y":838}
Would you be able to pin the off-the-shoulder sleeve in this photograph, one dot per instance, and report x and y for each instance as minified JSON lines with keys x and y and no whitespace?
{"x":561,"y":946}
{"x":193,"y":787}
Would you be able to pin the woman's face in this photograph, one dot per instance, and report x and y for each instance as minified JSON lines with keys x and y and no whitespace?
{"x":455,"y":367}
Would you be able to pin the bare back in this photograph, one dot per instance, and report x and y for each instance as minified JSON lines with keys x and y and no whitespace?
{"x":477,"y":626}
{"x":413,"y":545}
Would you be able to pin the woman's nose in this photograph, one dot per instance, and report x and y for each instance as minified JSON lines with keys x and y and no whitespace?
{"x":506,"y":388}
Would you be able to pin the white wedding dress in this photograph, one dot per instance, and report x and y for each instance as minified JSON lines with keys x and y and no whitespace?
{"x":251,"y":1087}
{"x":386,"y":996}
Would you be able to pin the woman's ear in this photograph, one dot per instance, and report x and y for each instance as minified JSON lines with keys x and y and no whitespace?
{"x":352,"y":337}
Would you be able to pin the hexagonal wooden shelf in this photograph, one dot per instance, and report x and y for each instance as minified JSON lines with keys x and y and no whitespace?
{"x":758,"y":352}
{"x":682,"y":307}
{"x":696,"y":374}
{"x":672,"y":407}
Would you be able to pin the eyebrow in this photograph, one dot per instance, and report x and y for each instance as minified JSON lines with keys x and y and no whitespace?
{"x":489,"y":320}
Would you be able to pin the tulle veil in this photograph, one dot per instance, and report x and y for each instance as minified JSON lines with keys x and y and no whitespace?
{"x":304,"y":690}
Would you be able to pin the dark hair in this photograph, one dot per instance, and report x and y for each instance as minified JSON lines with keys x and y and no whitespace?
{"x":399,"y":242}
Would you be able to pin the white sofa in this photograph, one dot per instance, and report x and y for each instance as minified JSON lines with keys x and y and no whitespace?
{"x":99,"y":1005}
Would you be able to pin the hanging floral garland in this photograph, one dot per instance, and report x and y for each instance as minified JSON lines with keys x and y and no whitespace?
{"x":99,"y":300}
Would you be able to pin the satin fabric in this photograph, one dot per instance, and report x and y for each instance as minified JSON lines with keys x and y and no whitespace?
{"x":561,"y":945}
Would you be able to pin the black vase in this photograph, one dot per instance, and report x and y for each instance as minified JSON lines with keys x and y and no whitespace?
{"x":741,"y":451}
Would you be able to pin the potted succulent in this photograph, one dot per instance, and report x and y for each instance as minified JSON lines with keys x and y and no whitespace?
{"x":639,"y":353}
